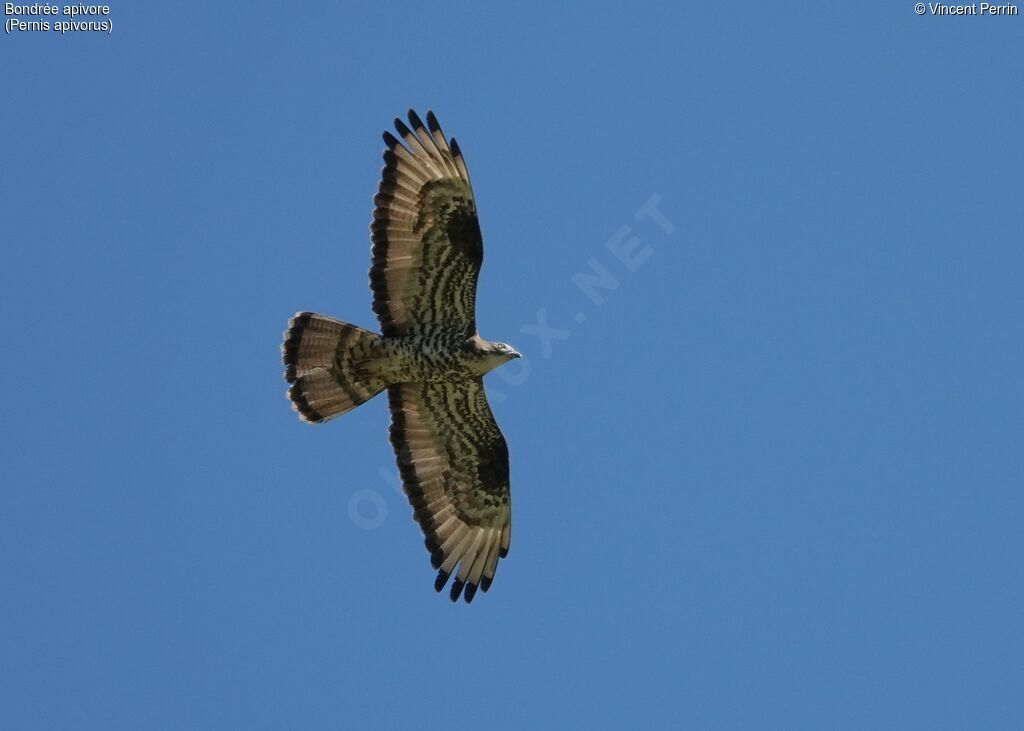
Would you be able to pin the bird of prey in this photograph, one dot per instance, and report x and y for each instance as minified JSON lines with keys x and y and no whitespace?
{"x":426,"y":254}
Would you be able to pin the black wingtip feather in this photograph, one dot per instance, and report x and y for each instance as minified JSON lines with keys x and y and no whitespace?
{"x":456,"y":590}
{"x":470,"y":593}
{"x":432,"y":124}
{"x":415,"y":120}
{"x":455,"y":148}
{"x":390,"y":140}
{"x":441,"y":580}
{"x":436,"y":554}
{"x":485,"y":584}
{"x":502,"y":552}
{"x":402,"y":129}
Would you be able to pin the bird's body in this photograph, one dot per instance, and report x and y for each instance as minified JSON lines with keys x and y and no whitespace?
{"x":433,"y":357}
{"x":427,"y":251}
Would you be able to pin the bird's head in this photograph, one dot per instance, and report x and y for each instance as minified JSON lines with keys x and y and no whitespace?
{"x":487,"y":355}
{"x":506,"y":350}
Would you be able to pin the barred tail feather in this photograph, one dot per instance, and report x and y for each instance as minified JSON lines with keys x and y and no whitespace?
{"x":325,"y":363}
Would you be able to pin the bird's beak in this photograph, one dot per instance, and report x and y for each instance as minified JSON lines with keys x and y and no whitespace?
{"x":516,"y":354}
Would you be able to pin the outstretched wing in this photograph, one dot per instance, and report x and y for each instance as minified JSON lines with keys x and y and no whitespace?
{"x":454,"y":465}
{"x":427,"y":247}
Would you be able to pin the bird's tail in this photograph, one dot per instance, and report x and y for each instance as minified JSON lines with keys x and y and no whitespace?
{"x":325,"y":362}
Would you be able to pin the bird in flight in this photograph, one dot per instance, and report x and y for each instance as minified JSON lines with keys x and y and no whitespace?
{"x":426,"y":255}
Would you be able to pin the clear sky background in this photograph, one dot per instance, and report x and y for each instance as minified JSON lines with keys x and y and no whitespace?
{"x":773,"y":478}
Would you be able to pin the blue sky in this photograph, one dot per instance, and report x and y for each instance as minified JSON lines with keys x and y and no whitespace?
{"x":771,"y":479}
